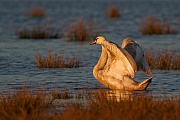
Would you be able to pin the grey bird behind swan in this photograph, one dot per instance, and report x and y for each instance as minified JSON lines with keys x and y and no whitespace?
{"x":116,"y":67}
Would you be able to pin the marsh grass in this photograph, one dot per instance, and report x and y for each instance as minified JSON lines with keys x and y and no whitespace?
{"x":42,"y":31}
{"x":36,"y":12}
{"x":113,"y":12}
{"x":57,"y":61}
{"x":60,"y":94}
{"x":153,"y":25}
{"x":66,"y":94}
{"x":27,"y":105}
{"x":163,"y":60}
{"x":23,"y":105}
{"x":84,"y":94}
{"x":136,"y":108}
{"x":80,"y":30}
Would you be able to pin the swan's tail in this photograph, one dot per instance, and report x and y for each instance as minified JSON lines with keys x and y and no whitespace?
{"x":144,"y":84}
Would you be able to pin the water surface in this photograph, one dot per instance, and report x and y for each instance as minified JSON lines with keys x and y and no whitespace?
{"x":17,"y":56}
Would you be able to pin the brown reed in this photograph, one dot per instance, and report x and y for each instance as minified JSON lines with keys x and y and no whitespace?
{"x":163,"y":60}
{"x":80,"y":31}
{"x":60,"y":94}
{"x":84,"y":94}
{"x":36,"y":12}
{"x":136,"y":108}
{"x":153,"y":25}
{"x":38,"y":32}
{"x":113,"y":12}
{"x":66,"y":94}
{"x":24,"y":104}
{"x":57,"y":61}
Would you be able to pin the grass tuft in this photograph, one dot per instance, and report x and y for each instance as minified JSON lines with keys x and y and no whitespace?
{"x":23,"y":105}
{"x":80,"y":31}
{"x":113,"y":12}
{"x":37,"y":32}
{"x":60,"y":94}
{"x":153,"y":25}
{"x":36,"y":12}
{"x":163,"y":60}
{"x":57,"y":61}
{"x":84,"y":94}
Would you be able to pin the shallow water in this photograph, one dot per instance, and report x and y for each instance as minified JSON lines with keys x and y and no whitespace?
{"x":17,"y":56}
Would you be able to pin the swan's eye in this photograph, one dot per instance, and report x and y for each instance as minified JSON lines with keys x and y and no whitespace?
{"x":96,"y":38}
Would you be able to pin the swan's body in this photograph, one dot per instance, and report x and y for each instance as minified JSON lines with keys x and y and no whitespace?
{"x":116,"y":67}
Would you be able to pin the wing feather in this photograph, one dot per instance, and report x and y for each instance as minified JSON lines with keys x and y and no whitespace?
{"x":121,"y":61}
{"x":135,"y":50}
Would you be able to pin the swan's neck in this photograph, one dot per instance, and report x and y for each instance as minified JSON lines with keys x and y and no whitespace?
{"x":101,"y":63}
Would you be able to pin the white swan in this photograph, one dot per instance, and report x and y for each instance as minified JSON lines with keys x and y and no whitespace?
{"x":116,"y":67}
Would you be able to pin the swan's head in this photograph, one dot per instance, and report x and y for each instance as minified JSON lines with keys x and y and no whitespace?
{"x":98,"y":40}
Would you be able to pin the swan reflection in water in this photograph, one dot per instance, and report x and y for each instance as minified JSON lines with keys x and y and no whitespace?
{"x":119,"y":95}
{"x":117,"y":65}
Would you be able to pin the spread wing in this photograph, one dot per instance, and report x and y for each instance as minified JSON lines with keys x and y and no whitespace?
{"x":119,"y":62}
{"x":135,"y":50}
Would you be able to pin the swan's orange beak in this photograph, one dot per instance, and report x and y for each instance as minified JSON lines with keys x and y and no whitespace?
{"x":94,"y":42}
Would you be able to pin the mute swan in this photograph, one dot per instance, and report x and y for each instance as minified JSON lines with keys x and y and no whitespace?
{"x":116,"y":67}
